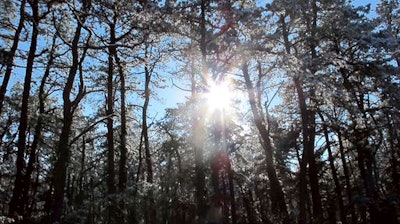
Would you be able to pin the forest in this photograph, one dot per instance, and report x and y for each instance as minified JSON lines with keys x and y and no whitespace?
{"x":199,"y":111}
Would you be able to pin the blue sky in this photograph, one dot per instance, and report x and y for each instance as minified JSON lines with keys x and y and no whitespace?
{"x":363,"y":2}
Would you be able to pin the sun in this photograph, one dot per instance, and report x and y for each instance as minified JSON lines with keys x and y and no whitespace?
{"x":218,"y":97}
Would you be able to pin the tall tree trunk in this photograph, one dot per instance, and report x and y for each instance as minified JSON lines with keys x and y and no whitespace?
{"x":308,"y":121}
{"x":80,"y":191}
{"x":248,"y":203}
{"x":16,"y":203}
{"x":303,"y":191}
{"x":122,"y":176}
{"x":199,"y":173}
{"x":308,"y":131}
{"x":60,"y":167}
{"x":302,"y":218}
{"x":338,"y":189}
{"x":38,"y":131}
{"x":360,"y":139}
{"x":122,"y":171}
{"x":198,"y":129}
{"x":232,"y":194}
{"x":394,"y":142}
{"x":276,"y":193}
{"x":149,"y":167}
{"x":69,"y":106}
{"x":11,"y":54}
{"x":346,"y":173}
{"x":112,"y":209}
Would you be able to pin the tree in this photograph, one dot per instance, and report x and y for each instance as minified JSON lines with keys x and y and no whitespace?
{"x":150,"y":216}
{"x":305,"y":52}
{"x":113,"y":207}
{"x":69,"y":107}
{"x":276,"y":193}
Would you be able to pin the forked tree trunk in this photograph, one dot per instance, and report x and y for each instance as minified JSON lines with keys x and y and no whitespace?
{"x":69,"y":106}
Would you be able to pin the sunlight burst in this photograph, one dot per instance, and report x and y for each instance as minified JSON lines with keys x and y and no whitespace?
{"x":219,"y":97}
